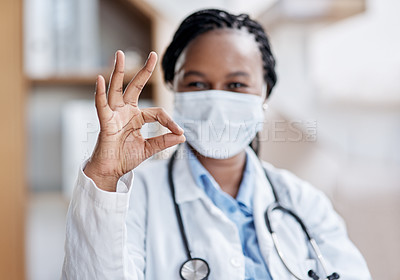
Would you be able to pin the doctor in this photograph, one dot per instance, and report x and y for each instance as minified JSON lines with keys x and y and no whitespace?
{"x":213,"y":210}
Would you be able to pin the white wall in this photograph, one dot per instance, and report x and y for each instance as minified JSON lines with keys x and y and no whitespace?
{"x":345,"y":76}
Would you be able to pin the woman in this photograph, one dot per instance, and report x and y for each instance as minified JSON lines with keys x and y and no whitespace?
{"x":208,"y":202}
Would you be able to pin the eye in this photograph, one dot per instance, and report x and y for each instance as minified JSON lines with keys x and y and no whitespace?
{"x":236,"y":85}
{"x":197,"y":85}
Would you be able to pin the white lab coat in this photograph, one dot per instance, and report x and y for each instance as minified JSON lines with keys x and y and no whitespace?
{"x":135,"y":235}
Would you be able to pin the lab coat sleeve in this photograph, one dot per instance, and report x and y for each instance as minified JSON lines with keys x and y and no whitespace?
{"x":96,"y":245}
{"x":329,"y":231}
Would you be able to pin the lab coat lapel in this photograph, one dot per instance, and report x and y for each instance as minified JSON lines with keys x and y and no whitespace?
{"x":185,"y":186}
{"x":263,"y":197}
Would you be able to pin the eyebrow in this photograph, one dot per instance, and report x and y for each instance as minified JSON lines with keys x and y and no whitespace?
{"x":193,"y":73}
{"x":238,"y":73}
{"x":230,"y":75}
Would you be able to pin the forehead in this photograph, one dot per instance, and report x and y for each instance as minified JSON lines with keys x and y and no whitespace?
{"x":222,"y":50}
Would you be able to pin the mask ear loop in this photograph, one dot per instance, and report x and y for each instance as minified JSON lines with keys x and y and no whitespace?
{"x":264,"y":97}
{"x":255,"y":143}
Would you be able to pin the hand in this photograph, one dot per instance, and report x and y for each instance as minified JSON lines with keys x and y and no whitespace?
{"x":120,"y":146}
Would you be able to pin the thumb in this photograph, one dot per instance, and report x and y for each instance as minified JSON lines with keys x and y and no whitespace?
{"x":159,"y":143}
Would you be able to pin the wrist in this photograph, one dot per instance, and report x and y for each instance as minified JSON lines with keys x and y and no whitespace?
{"x":105,"y":181}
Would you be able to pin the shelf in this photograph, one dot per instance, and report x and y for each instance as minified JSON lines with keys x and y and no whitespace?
{"x":86,"y":81}
{"x":77,"y":80}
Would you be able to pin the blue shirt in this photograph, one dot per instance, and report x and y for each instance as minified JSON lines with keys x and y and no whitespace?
{"x":239,"y":211}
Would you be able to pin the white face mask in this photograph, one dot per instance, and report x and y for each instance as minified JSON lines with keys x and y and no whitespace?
{"x":219,"y":124}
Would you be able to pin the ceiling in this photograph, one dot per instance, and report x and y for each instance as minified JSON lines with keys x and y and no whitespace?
{"x":176,"y":10}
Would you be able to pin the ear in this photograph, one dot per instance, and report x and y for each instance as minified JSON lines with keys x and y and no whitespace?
{"x":265,"y":96}
{"x":169,"y":85}
{"x":264,"y":92}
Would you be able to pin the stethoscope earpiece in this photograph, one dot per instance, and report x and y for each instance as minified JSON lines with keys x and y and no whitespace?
{"x":333,"y":276}
{"x":314,"y":276}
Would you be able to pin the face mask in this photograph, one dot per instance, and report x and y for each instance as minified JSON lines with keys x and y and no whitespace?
{"x":219,"y":124}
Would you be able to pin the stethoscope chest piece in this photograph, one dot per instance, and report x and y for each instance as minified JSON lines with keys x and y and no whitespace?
{"x":195,"y":269}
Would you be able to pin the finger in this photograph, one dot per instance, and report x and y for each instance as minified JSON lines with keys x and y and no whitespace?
{"x":104,"y":111}
{"x":159,"y":143}
{"x":161,"y":116}
{"x":138,"y":82}
{"x":116,"y":86}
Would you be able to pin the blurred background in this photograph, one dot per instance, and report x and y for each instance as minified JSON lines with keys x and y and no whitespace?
{"x":333,"y":119}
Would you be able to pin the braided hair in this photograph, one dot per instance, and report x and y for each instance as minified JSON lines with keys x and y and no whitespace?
{"x":210,"y":19}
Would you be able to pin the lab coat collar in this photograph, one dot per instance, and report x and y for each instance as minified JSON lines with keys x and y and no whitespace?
{"x":185,"y":186}
{"x":263,"y":197}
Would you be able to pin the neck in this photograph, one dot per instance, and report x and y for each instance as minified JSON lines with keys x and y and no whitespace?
{"x":227,"y":173}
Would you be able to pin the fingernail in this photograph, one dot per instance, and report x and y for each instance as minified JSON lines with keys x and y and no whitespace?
{"x":97,"y":80}
{"x":115,"y":57}
{"x":147,"y":58}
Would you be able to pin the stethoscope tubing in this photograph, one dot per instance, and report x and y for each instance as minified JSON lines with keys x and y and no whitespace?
{"x":275,"y":206}
{"x":176,"y":206}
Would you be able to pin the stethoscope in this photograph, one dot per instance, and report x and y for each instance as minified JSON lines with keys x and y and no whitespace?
{"x":198,"y":269}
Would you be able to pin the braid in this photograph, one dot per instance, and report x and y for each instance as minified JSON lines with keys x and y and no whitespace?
{"x":206,"y":20}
